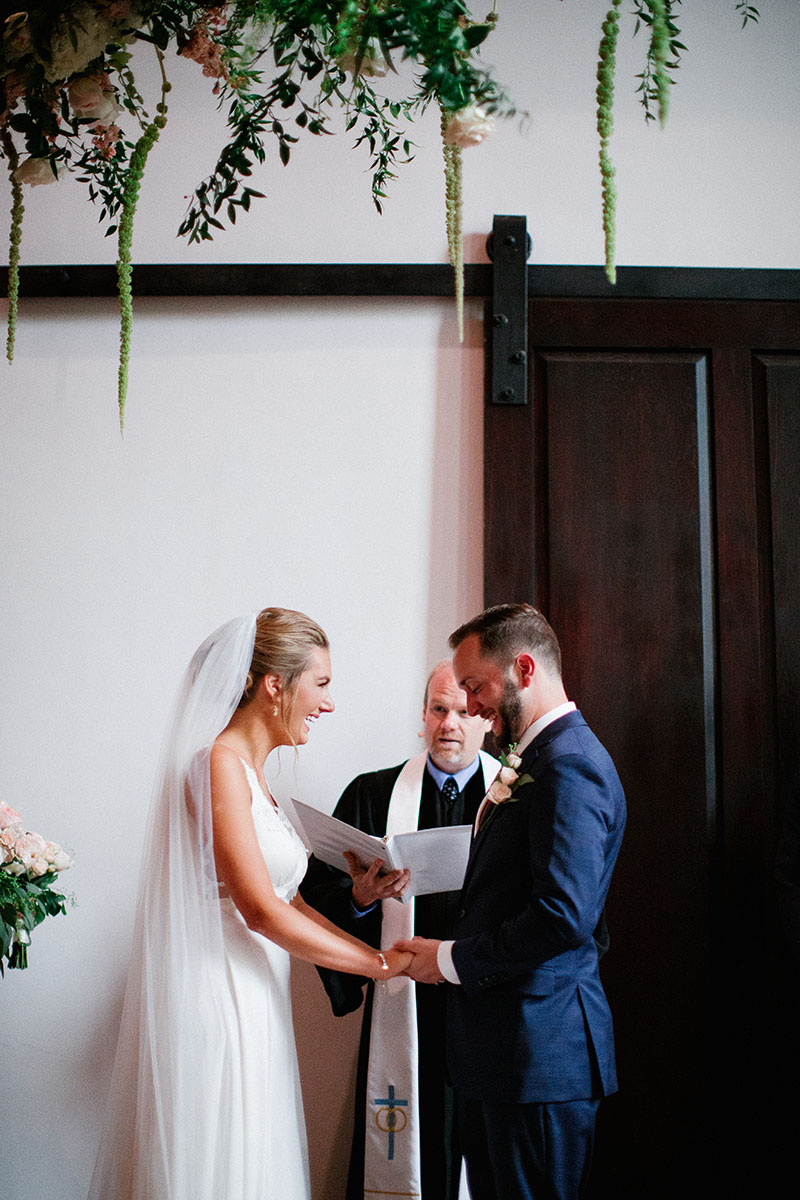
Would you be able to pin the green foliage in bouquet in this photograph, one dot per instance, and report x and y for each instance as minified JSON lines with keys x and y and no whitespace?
{"x":24,"y":904}
{"x":69,"y":100}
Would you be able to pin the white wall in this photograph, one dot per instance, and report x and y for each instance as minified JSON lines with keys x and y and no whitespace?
{"x":319,"y":454}
{"x":719,"y":187}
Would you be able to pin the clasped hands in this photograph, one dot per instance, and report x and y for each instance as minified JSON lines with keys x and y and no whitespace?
{"x":370,"y":886}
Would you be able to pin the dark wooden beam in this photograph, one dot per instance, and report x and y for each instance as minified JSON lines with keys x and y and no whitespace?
{"x":403,"y":279}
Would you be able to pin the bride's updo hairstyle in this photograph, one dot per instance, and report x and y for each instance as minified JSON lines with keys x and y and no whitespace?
{"x":283,"y":645}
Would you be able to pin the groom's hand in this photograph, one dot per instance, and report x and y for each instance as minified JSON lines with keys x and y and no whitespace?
{"x":424,"y":967}
{"x":370,"y":886}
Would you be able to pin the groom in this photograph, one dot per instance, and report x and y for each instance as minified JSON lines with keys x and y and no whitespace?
{"x":530,"y":1044}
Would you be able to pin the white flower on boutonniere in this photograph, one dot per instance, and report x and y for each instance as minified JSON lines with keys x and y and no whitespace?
{"x":507,"y":781}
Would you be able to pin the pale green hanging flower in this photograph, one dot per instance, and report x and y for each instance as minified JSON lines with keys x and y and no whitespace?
{"x":605,"y":126}
{"x":17,"y":211}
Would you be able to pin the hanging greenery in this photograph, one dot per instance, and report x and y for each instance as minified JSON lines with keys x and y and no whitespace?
{"x":662,"y":59}
{"x":69,"y":101}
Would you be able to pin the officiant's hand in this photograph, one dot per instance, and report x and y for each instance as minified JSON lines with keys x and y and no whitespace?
{"x":369,"y":885}
{"x":424,"y":966}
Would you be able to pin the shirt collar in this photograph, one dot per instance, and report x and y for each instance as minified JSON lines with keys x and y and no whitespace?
{"x":460,"y":777}
{"x":542,"y":722}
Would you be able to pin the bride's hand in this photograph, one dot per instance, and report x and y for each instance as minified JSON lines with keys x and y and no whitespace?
{"x":397,"y":962}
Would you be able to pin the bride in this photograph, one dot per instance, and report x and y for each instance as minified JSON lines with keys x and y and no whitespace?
{"x":205,"y":1098}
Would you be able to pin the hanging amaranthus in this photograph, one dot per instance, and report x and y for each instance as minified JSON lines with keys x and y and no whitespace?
{"x":453,"y":168}
{"x":67,"y":86}
{"x":17,"y":211}
{"x":125,"y":238}
{"x":605,"y":126}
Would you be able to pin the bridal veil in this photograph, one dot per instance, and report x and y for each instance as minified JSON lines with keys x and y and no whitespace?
{"x":163,"y":1109}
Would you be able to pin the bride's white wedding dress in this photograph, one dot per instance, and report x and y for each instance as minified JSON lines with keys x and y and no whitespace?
{"x":259,"y":1150}
{"x":221,"y":1117}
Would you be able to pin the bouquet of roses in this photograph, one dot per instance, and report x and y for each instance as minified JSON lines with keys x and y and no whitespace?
{"x":28,"y":867}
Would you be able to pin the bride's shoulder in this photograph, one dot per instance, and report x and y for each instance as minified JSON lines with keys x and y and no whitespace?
{"x":222,"y":752}
{"x":227,"y":769}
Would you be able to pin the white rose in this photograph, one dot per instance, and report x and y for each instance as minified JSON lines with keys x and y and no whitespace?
{"x":507,"y":775}
{"x":88,"y":98}
{"x":36,"y":171}
{"x":57,"y":858}
{"x":514,"y":761}
{"x":468,"y":126}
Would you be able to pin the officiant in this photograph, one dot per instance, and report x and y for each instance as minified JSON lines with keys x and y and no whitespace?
{"x":404,"y":1143}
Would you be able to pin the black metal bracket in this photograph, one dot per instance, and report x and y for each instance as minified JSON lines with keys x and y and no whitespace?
{"x":508,"y":246}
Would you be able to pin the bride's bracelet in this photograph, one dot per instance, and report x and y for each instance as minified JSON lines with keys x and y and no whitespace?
{"x":381,"y":979}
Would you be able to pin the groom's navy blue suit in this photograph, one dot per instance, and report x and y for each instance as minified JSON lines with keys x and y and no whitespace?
{"x":529,"y":1028}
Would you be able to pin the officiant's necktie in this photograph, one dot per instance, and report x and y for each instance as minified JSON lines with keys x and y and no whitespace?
{"x":450,"y":792}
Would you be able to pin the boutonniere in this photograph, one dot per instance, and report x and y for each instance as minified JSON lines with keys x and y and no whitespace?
{"x":507,"y":781}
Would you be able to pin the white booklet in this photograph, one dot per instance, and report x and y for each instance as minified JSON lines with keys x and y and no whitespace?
{"x":436,"y":858}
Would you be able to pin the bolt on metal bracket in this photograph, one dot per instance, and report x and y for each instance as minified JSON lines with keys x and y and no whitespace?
{"x":508,"y":247}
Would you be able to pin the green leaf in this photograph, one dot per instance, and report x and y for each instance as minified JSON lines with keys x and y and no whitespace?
{"x":475,"y":34}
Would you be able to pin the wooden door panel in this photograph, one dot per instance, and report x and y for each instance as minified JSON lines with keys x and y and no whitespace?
{"x":629,"y":589}
{"x":779,"y":387}
{"x":648,"y":500}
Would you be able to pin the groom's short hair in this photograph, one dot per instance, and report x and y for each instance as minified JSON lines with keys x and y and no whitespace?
{"x":506,"y":630}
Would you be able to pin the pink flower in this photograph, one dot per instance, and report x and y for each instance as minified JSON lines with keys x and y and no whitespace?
{"x":117,"y":10}
{"x":14,"y":89}
{"x":30,"y":846}
{"x":8,"y":845}
{"x":105,"y":139}
{"x":9,"y":817}
{"x":507,"y":775}
{"x":499,"y":792}
{"x":201,"y":49}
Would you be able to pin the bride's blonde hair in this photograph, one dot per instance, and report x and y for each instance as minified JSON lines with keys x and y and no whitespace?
{"x":284,"y":641}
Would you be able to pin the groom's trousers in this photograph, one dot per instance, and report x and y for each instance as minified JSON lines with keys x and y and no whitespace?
{"x":527,"y":1151}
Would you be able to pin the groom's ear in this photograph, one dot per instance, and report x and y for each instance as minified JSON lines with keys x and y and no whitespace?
{"x":525,"y":668}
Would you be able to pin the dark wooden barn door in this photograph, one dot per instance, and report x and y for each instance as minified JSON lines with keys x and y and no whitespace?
{"x":647,"y":498}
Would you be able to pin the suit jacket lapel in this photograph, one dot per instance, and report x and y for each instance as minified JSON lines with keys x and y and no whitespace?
{"x":529,"y":756}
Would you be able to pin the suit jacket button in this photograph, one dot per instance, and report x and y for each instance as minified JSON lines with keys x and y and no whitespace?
{"x":462,"y":912}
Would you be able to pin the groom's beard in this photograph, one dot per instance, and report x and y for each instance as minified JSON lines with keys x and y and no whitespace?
{"x":512,"y":720}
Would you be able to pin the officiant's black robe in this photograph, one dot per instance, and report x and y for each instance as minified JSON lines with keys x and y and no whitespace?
{"x":365,"y":804}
